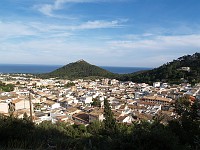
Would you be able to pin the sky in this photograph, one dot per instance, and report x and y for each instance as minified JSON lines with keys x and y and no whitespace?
{"x":129,"y":33}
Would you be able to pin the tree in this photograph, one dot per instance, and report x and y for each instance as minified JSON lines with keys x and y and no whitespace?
{"x":96,"y":102}
{"x":95,"y":127}
{"x":187,"y":126}
{"x":183,"y":106}
{"x":6,"y":87}
{"x":69,"y":84}
{"x":26,"y":117}
{"x":109,"y":122}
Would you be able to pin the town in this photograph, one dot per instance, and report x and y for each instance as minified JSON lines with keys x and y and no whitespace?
{"x":81,"y":101}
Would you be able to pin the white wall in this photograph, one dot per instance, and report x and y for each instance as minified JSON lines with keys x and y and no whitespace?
{"x":4,"y":107}
{"x":23,"y":104}
{"x":56,"y":105}
{"x":156,"y":84}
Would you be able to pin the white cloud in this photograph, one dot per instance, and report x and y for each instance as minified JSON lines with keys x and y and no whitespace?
{"x":49,"y":51}
{"x":96,"y":25}
{"x":41,"y":30}
{"x":13,"y":30}
{"x":119,"y":53}
{"x":48,"y":9}
{"x":61,"y":44}
{"x":154,"y":50}
{"x":158,"y":42}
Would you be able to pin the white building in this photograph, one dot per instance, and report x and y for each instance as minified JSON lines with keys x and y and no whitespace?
{"x":4,"y":108}
{"x":125,"y":119}
{"x":86,"y":100}
{"x":18,"y":104}
{"x":156,"y":84}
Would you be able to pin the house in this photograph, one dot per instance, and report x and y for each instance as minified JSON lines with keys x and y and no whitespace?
{"x":125,"y":119}
{"x":81,"y":118}
{"x":146,"y":104}
{"x":136,"y":108}
{"x":96,"y":114}
{"x":184,"y":69}
{"x":4,"y":108}
{"x":87,"y":109}
{"x":164,"y":85}
{"x":62,"y":118}
{"x":43,"y":118}
{"x":137,"y":95}
{"x":115,"y":105}
{"x":51,"y":104}
{"x":157,"y":100}
{"x":116,"y":113}
{"x":143,"y":116}
{"x":66,"y":102}
{"x":18,"y":104}
{"x":71,"y":111}
{"x":156,"y":84}
{"x":125,"y":109}
{"x":23,"y":93}
{"x":86,"y":100}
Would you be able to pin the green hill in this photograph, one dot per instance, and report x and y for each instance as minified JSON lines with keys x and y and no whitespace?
{"x":184,"y":69}
{"x":172,"y":72}
{"x":79,"y":69}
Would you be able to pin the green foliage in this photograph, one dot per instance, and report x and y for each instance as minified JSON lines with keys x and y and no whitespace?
{"x":13,"y":130}
{"x":170,"y":72}
{"x":109,"y":121}
{"x":183,"y":106}
{"x":153,"y":136}
{"x":95,"y":128}
{"x":182,"y":133}
{"x":96,"y":102}
{"x":69,"y":84}
{"x":187,"y":126}
{"x":6,"y":87}
{"x":79,"y":69}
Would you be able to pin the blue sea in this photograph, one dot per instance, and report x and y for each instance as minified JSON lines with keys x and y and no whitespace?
{"x":34,"y":69}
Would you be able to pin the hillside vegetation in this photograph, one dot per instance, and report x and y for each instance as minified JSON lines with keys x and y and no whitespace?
{"x":172,"y":72}
{"x":79,"y":69}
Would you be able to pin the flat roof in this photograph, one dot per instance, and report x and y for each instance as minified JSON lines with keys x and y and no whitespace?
{"x":157,"y":98}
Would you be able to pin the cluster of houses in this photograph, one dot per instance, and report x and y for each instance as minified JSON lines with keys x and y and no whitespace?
{"x":52,"y":100}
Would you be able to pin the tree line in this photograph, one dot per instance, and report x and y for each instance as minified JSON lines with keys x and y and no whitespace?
{"x":181,"y":133}
{"x":170,"y":72}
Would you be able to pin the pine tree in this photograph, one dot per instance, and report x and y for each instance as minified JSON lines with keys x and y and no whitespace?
{"x":109,"y":122}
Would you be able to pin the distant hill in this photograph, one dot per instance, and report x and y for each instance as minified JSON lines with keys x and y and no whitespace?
{"x":79,"y":69}
{"x":185,"y":68}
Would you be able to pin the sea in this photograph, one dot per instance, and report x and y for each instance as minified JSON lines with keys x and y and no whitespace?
{"x":36,"y":69}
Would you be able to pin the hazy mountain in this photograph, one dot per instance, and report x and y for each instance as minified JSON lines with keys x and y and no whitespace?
{"x":80,"y":69}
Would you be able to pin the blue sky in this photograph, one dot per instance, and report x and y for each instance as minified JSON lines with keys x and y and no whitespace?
{"x":134,"y":33}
